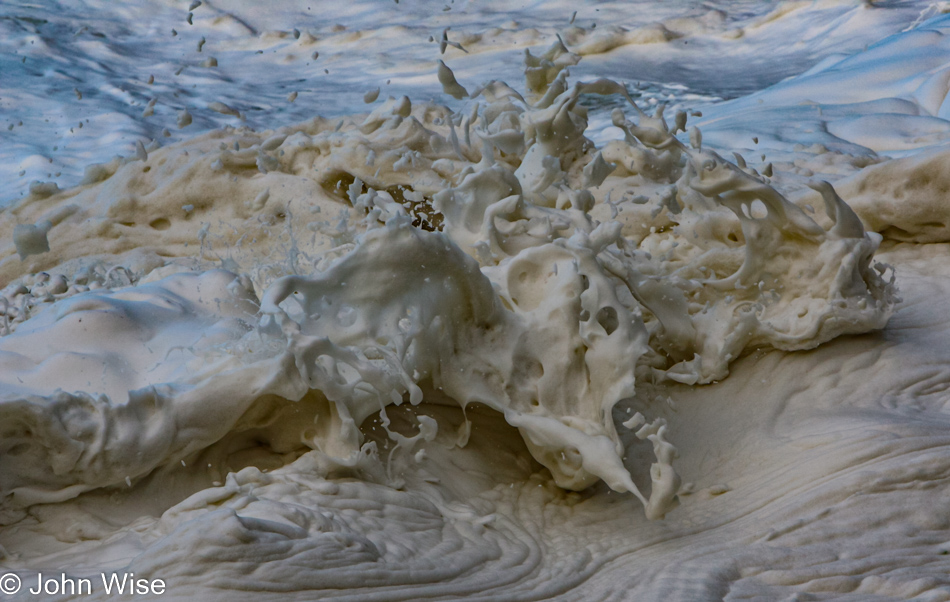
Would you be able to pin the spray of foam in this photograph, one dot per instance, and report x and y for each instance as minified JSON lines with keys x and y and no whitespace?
{"x":493,"y":255}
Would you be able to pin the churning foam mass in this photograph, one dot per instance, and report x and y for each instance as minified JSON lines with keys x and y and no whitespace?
{"x":640,"y":304}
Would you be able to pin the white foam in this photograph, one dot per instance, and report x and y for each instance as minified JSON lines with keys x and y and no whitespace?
{"x":388,"y":354}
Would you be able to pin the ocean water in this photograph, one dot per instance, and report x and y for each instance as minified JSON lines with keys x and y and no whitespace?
{"x":618,"y":301}
{"x":52,"y":50}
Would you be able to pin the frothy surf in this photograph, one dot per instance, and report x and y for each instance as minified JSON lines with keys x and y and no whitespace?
{"x":414,"y":351}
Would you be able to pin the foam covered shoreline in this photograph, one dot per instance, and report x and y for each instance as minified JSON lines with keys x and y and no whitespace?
{"x":420,"y":352}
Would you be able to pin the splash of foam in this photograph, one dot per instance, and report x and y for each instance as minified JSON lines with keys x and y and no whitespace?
{"x":492,"y":254}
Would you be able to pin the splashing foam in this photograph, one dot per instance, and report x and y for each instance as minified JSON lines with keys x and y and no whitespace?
{"x":492,"y":254}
